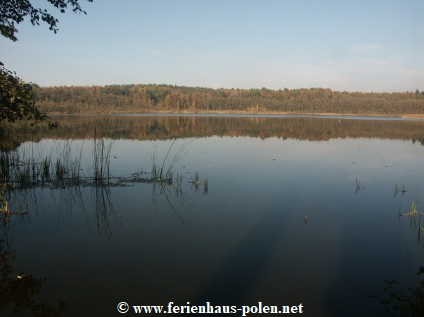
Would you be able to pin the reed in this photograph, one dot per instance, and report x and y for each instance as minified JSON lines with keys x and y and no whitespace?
{"x":45,"y":172}
{"x":359,"y":187}
{"x":164,"y":172}
{"x":400,"y":189}
{"x":412,"y":212}
{"x":196,"y":183}
{"x":22,"y":169}
{"x":101,"y":159}
{"x":4,"y":205}
{"x":206,"y":187}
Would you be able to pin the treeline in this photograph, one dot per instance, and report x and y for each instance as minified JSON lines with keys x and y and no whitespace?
{"x":166,"y":98}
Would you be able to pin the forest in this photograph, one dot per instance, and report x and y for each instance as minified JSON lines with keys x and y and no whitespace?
{"x":180,"y":99}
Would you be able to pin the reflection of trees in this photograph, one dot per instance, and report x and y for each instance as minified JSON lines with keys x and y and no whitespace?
{"x":167,"y":127}
{"x":18,"y":292}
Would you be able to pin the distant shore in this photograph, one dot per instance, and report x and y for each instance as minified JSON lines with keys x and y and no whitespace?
{"x":239,"y":112}
{"x":165,"y":99}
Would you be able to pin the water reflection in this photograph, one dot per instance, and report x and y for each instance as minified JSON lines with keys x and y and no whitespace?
{"x":20,"y":291}
{"x":286,"y":221}
{"x":395,"y":298}
{"x":240,"y":272}
{"x":399,"y":189}
{"x":81,"y":178}
{"x":169,"y":127}
{"x":359,"y":187}
{"x":94,"y":203}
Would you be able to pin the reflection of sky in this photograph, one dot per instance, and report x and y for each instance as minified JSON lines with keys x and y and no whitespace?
{"x":246,"y":240}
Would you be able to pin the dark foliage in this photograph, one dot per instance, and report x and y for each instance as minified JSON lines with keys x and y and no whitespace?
{"x":13,"y":12}
{"x":16,"y":97}
{"x":403,"y":303}
{"x":17,"y":100}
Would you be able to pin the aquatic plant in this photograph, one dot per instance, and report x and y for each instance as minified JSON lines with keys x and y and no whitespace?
{"x":399,"y":302}
{"x":101,"y":159}
{"x":164,"y":172}
{"x":4,"y":205}
{"x":410,"y":302}
{"x":420,"y":225}
{"x":196,"y":181}
{"x":359,"y":187}
{"x":5,"y":210}
{"x":206,"y":187}
{"x":401,"y":189}
{"x":22,"y":169}
{"x":412,"y":212}
{"x":45,"y":172}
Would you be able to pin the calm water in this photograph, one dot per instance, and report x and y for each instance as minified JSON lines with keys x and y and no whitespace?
{"x":297,"y":210}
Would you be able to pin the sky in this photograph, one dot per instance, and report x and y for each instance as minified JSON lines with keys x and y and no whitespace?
{"x":361,"y":45}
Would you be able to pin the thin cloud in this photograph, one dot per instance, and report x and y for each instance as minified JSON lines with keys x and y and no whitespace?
{"x":367,"y":48}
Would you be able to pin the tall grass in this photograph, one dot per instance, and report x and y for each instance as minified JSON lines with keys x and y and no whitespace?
{"x":24,"y":171}
{"x":164,"y":172}
{"x":101,"y":159}
{"x":196,"y":183}
{"x":22,"y":168}
{"x":359,"y":187}
{"x":399,"y":189}
{"x":412,"y":213}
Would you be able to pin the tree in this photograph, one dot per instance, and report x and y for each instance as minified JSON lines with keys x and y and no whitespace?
{"x":17,"y":100}
{"x":15,"y":11}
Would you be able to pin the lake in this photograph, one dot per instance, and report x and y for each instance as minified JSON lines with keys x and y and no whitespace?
{"x":286,"y":211}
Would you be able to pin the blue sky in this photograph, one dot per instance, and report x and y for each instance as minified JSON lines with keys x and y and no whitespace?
{"x":371,"y":45}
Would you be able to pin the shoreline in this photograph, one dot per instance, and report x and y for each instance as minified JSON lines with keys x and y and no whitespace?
{"x":220,"y":112}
